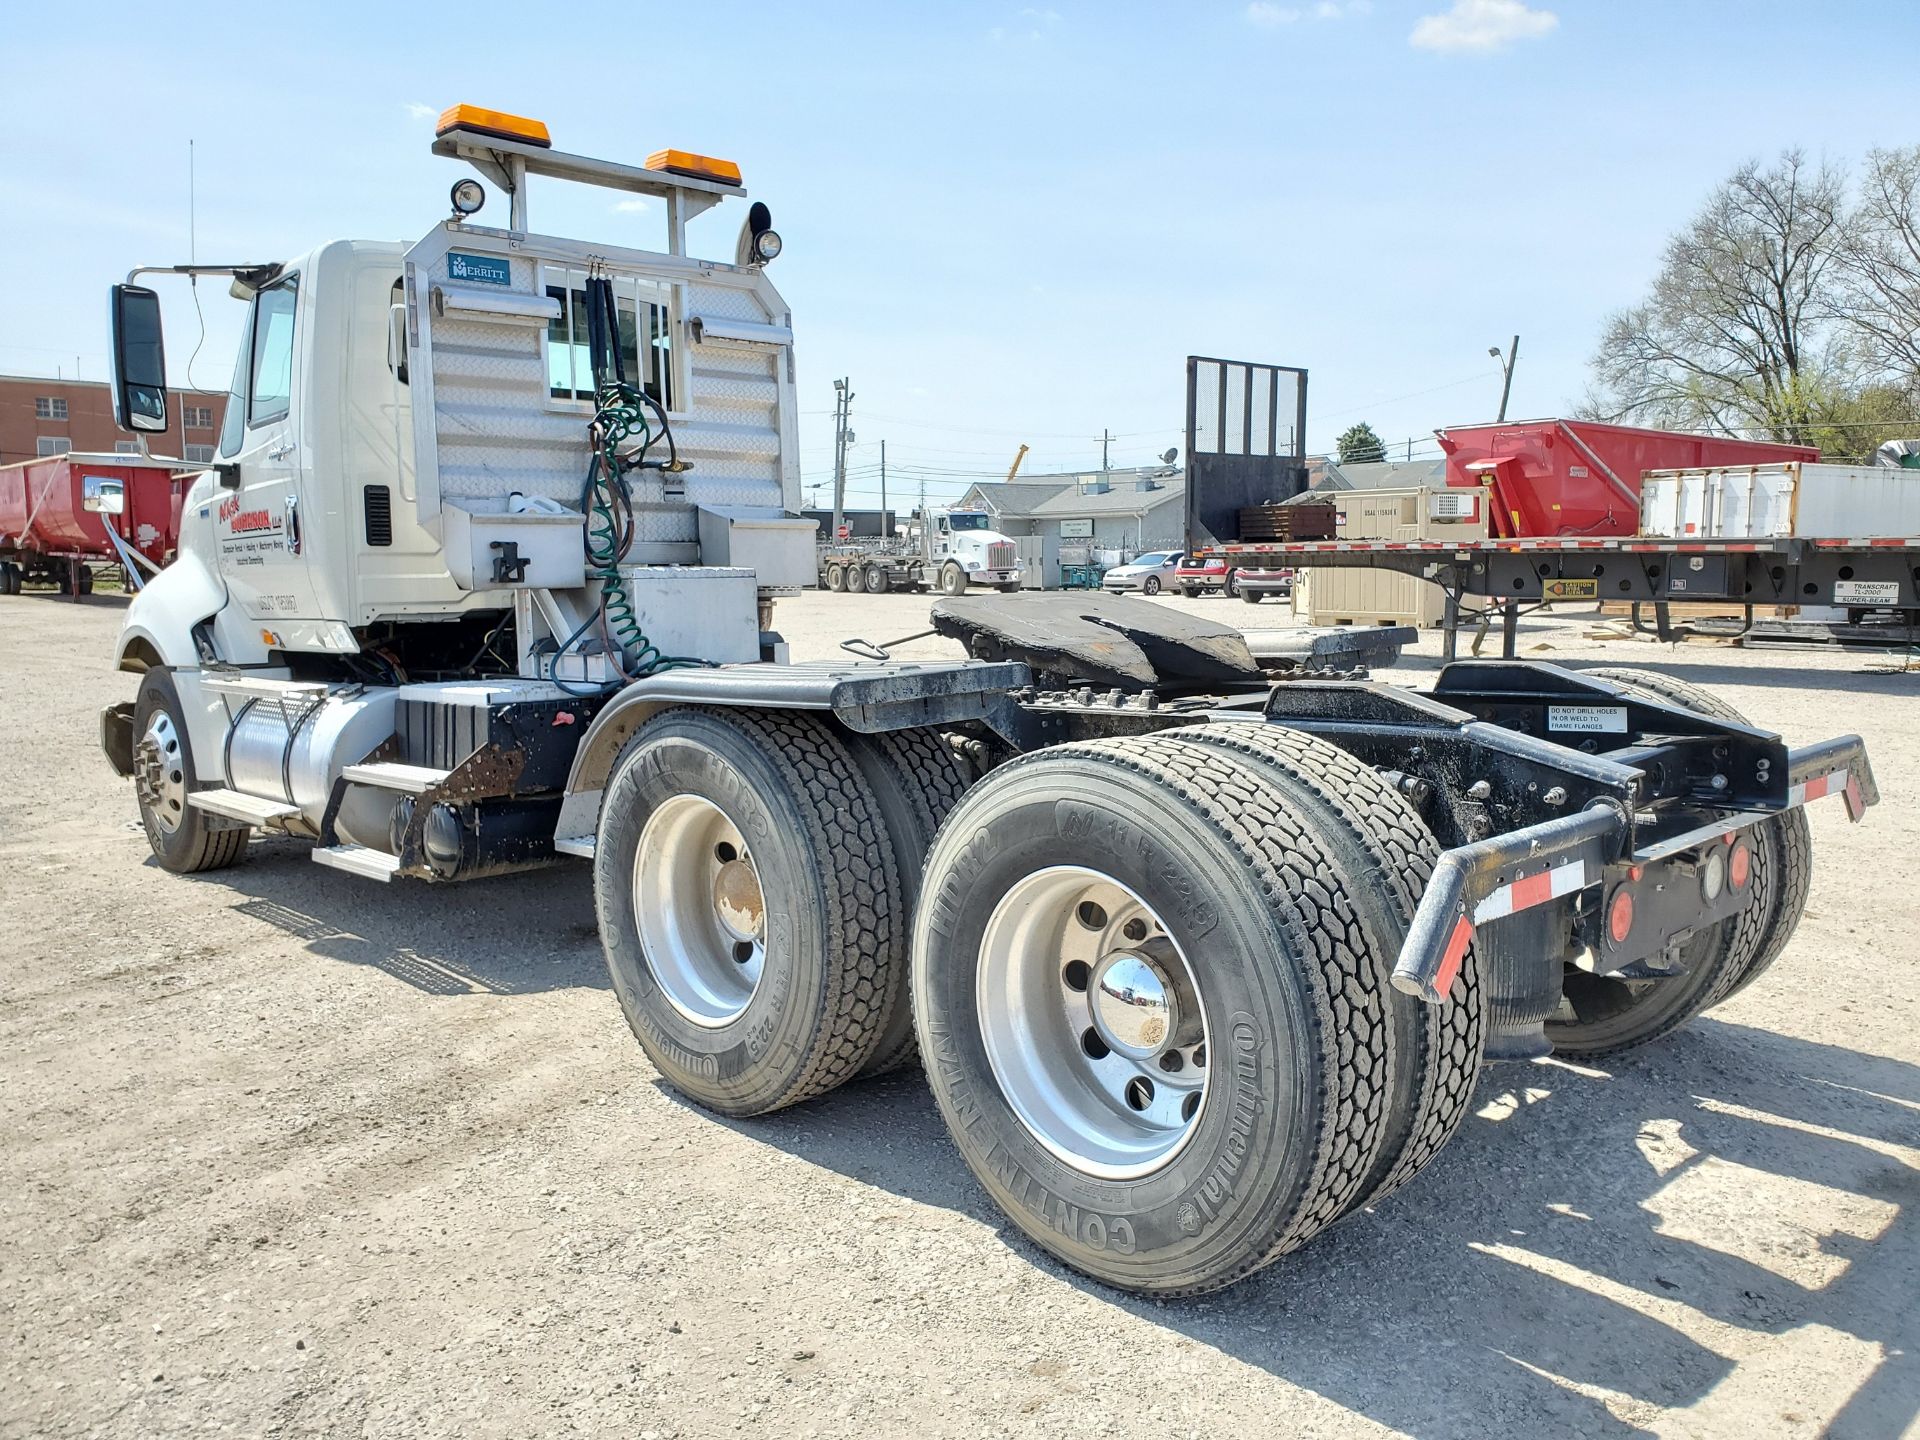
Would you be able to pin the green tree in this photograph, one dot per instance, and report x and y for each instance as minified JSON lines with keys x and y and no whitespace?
{"x":1738,"y":333}
{"x":1358,"y":445}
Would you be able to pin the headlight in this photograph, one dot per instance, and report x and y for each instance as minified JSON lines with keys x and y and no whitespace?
{"x":766,"y":245}
{"x":970,"y":564}
{"x":468,"y":196}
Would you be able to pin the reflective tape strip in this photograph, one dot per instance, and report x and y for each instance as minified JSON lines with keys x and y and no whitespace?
{"x":1532,"y":890}
{"x":1819,"y":787}
{"x":1450,"y":959}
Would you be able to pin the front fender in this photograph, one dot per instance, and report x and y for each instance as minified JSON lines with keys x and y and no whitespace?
{"x":158,"y":629}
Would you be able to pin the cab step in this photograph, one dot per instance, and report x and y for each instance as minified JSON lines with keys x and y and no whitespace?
{"x":358,"y":860}
{"x":581,"y":845}
{"x":390,"y":775}
{"x":233,"y":805}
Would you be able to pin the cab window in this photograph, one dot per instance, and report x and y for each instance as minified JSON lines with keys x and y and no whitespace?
{"x":271,"y":392}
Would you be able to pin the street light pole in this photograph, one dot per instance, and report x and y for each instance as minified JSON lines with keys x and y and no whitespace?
{"x":1506,"y":368}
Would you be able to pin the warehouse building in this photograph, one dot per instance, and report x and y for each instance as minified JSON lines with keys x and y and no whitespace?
{"x":1106,"y":516}
{"x":40,"y":417}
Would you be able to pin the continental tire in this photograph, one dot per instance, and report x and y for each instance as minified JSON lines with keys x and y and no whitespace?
{"x":748,"y":905}
{"x":184,"y":839}
{"x":1380,"y":841}
{"x":1265,"y":1132}
{"x":917,"y":776}
{"x":1783,"y":859}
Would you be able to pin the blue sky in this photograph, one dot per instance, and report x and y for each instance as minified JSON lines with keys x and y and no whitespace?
{"x":1003,"y":222}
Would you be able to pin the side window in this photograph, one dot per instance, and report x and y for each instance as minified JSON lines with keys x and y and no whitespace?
{"x":271,"y":391}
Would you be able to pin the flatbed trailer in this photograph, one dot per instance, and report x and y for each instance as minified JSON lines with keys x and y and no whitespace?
{"x":1858,"y":574}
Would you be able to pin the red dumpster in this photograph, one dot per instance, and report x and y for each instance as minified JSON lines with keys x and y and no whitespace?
{"x":1579,"y":477}
{"x":48,"y":532}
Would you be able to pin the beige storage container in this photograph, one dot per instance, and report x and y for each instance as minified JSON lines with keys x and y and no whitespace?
{"x":1364,"y":596}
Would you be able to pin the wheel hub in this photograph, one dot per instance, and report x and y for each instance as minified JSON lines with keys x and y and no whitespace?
{"x":1092,"y":1022}
{"x":159,"y":773}
{"x":1133,"y":1004}
{"x":700,"y":911}
{"x":737,"y":901}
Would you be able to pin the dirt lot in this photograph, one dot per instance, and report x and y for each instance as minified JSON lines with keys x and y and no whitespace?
{"x":290,"y":1153}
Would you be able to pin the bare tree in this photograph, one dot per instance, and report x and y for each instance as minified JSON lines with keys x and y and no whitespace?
{"x":1879,"y":270}
{"x":1736,"y":333}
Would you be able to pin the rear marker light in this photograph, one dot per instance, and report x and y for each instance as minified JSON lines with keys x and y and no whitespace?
{"x":1620,"y":916}
{"x":1740,"y":867}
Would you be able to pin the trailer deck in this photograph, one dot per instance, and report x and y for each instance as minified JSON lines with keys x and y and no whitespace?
{"x":1856,"y":573}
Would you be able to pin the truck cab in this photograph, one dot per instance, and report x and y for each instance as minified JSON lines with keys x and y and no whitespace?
{"x":966,"y":538}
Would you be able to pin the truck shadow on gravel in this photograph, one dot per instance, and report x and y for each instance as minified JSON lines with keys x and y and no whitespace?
{"x":1627,"y":1236}
{"x":439,"y":939}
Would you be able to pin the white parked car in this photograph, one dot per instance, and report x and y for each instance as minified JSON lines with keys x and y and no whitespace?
{"x":1149,"y":574}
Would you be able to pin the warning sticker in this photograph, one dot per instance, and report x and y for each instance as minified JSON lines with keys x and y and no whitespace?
{"x":1570,"y":589}
{"x":1866,"y":592}
{"x":1588,"y":719}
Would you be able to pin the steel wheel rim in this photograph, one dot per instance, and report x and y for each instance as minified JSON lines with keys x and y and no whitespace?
{"x":700,"y":911}
{"x":1068,"y":1001}
{"x":160,"y":773}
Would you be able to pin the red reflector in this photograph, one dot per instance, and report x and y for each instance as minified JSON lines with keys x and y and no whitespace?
{"x":1739,"y":867}
{"x":1620,"y":916}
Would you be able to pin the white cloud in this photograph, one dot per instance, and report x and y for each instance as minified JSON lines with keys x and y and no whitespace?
{"x":1261,"y":13}
{"x":1481,"y":27}
{"x":635,"y":206}
{"x":421,"y":112}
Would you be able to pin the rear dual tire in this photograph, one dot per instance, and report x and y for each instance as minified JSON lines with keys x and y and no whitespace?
{"x":749,"y":839}
{"x":1247,"y":880}
{"x":1600,"y":1015}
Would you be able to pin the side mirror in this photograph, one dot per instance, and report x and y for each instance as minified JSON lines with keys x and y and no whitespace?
{"x":139,"y":360}
{"x":103,"y":495}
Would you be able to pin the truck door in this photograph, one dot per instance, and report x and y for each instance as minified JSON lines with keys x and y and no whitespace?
{"x":260,"y":525}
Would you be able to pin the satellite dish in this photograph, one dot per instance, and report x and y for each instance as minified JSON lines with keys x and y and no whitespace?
{"x":1169,"y":457}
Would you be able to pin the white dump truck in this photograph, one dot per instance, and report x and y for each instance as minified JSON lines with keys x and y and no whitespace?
{"x":951,"y":551}
{"x":1199,"y":956}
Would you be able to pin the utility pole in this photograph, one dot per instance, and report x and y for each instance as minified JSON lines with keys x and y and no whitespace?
{"x":1506,"y":366}
{"x":1104,"y":439}
{"x":842,"y":438}
{"x":886,"y":529}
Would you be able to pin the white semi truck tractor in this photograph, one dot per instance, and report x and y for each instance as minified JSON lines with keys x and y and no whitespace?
{"x":953,"y":551}
{"x":1199,"y":956}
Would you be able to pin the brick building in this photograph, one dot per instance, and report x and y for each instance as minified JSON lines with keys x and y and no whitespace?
{"x":44,"y":417}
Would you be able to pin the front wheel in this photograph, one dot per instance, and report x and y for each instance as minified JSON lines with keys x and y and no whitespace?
{"x":953,"y":580}
{"x":1252,"y":597}
{"x":184,"y":839}
{"x":1150,"y":586}
{"x":1150,"y":1011}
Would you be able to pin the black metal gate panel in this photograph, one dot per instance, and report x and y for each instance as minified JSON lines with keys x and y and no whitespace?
{"x":1246,"y":442}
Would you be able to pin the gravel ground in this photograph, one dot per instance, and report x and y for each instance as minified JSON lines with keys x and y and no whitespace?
{"x":284,"y":1152}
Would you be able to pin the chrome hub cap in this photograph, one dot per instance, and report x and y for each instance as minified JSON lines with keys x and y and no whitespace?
{"x":700,"y":911}
{"x":159,"y":773}
{"x":1092,"y":1022}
